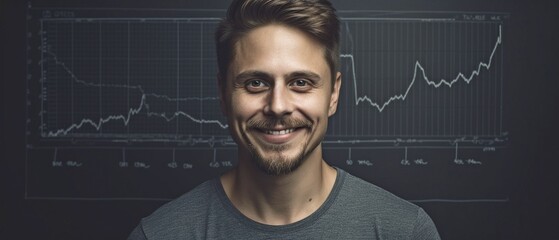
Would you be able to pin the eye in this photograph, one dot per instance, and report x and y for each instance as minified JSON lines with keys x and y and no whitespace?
{"x":301,"y":85}
{"x":256,"y":86}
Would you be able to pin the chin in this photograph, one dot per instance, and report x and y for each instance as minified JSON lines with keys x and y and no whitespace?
{"x":278,"y":163}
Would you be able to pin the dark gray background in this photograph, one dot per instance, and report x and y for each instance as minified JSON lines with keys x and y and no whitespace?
{"x":531,"y":117}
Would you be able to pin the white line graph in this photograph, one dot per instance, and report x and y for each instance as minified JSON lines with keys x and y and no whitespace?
{"x":125,"y":118}
{"x":143,"y":98}
{"x":413,"y":78}
{"x":116,"y":91}
{"x":418,"y":68}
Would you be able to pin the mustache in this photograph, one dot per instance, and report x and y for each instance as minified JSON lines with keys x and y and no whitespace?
{"x":270,"y":123}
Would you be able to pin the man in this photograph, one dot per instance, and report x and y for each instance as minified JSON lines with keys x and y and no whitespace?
{"x":279,"y":82}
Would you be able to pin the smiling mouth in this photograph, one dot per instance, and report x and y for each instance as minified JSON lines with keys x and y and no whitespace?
{"x":279,"y":132}
{"x":278,"y":136}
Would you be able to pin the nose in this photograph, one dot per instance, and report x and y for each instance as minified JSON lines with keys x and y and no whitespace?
{"x":279,"y":103}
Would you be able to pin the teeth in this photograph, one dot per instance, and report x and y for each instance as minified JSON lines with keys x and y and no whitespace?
{"x":285,"y":131}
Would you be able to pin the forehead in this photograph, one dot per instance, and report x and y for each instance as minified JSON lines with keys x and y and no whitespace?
{"x":278,"y":49}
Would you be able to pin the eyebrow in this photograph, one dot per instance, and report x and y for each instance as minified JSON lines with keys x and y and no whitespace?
{"x":264,"y":75}
{"x":252,"y":74}
{"x":304,"y":74}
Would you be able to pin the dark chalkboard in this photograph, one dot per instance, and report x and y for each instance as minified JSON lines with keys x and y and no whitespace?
{"x":111,"y":109}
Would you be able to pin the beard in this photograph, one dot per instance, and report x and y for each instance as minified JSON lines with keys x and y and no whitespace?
{"x":278,"y":163}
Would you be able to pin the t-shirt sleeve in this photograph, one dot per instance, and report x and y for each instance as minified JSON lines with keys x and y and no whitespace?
{"x":424,"y":227}
{"x":137,"y":233}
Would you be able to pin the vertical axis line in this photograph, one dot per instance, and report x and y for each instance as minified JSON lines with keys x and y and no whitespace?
{"x":368,"y":123}
{"x":43,"y":79}
{"x":395,"y":74}
{"x":55,"y":154}
{"x":128,"y":75}
{"x":479,"y":91}
{"x":440,"y":113}
{"x":472,"y":95}
{"x":354,"y":120}
{"x":371,"y":59}
{"x":402,"y":76}
{"x":406,"y":153}
{"x":421,"y":93}
{"x":347,"y":128}
{"x":486,"y":95}
{"x":100,"y":76}
{"x":452,"y":60}
{"x":373,"y":126}
{"x":434,"y":116}
{"x":446,"y":49}
{"x":495,"y":99}
{"x":56,"y":77}
{"x":381,"y":74}
{"x":458,"y":100}
{"x":178,"y":80}
{"x":347,"y":117}
{"x":480,"y":96}
{"x":502,"y":93}
{"x":436,"y":69}
{"x":214,"y":157}
{"x":418,"y":47}
{"x":201,"y":74}
{"x":399,"y":49}
{"x":72,"y":82}
{"x":413,"y":47}
{"x":408,"y":48}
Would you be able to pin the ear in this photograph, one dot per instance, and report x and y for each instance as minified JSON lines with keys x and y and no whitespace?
{"x":335,"y":95}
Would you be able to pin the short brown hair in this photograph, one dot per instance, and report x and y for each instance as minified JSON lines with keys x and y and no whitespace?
{"x":314,"y":17}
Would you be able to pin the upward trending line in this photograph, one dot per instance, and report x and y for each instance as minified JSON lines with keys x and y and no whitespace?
{"x":418,"y":67}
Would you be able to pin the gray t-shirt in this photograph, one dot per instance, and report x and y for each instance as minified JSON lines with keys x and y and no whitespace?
{"x":355,"y":209}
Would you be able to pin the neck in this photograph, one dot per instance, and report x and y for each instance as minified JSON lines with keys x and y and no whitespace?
{"x":279,"y":200}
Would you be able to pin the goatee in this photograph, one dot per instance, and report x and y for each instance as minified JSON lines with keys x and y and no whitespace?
{"x":278,"y":163}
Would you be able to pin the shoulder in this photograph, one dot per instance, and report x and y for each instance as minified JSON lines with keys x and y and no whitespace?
{"x":189,"y":202}
{"x":371,"y":205}
{"x":187,"y":210}
{"x":368,"y":194}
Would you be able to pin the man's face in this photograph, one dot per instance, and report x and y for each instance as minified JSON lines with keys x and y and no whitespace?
{"x":278,"y":96}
